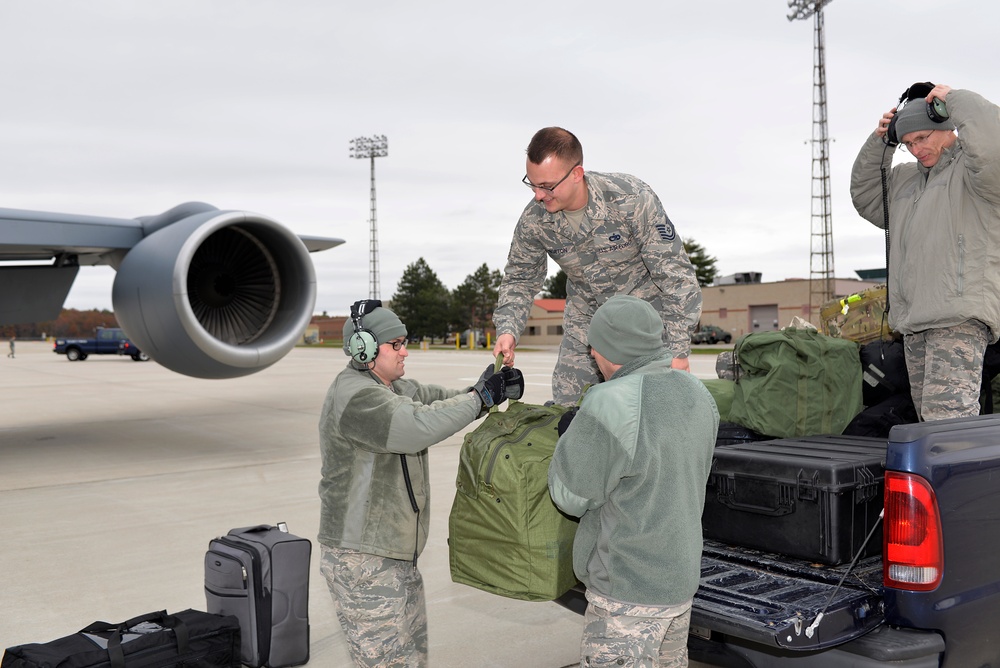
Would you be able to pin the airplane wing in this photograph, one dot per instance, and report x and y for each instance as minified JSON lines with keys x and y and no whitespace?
{"x":206,"y":293}
{"x":37,"y":235}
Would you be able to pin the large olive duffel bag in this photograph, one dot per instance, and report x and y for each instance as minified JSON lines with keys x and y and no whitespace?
{"x":505,"y":535}
{"x":796,"y":382}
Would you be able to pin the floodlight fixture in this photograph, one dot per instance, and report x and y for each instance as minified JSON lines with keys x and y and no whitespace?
{"x":376,"y":146}
{"x":803,"y":9}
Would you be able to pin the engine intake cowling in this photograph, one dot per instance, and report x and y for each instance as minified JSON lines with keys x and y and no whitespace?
{"x":216,"y":294}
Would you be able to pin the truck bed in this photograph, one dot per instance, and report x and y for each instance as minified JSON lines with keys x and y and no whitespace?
{"x":773,"y":600}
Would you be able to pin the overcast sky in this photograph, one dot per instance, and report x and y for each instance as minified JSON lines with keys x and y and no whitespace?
{"x":126,"y":108}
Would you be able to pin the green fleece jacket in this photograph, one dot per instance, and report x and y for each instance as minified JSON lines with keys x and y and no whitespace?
{"x":633,"y":466}
{"x":365,"y":426}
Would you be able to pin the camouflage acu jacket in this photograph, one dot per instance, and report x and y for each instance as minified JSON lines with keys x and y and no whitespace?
{"x":626,"y":245}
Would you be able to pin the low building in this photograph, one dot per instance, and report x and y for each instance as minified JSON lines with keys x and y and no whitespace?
{"x":325,"y":328}
{"x":545,"y":323}
{"x":739,"y":305}
{"x":744,"y":307}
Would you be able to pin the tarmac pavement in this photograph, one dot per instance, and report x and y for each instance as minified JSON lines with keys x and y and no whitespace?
{"x":115,"y":474}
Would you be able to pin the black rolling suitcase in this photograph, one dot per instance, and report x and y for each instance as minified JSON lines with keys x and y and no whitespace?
{"x":187,"y":638}
{"x":260,"y":575}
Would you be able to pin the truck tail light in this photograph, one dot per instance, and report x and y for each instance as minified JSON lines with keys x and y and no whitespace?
{"x":912,"y":557}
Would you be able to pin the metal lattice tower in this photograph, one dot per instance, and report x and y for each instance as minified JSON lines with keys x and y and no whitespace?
{"x":821,"y":272}
{"x":376,"y":146}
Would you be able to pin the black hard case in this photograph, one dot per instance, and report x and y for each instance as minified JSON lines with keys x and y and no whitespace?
{"x":260,"y":574}
{"x":731,"y":433}
{"x":814,"y":498}
{"x":186,"y":638}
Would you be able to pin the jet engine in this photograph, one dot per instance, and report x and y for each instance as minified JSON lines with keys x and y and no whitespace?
{"x":214,"y":294}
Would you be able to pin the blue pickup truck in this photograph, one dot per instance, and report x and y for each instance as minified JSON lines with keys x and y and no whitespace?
{"x":108,"y":341}
{"x":922,"y":592}
{"x":928,"y":598}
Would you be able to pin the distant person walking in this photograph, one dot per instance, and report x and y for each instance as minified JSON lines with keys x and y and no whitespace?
{"x":11,"y":353}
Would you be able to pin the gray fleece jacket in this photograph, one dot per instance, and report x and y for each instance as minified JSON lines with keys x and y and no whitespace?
{"x":944,"y":222}
{"x":365,"y":426}
{"x":633,"y":466}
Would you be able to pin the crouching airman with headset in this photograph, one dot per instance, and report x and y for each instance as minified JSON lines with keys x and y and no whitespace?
{"x":942,"y":220}
{"x":375,"y":428}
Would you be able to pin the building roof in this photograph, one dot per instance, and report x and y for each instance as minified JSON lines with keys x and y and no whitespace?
{"x":871,"y":274}
{"x":551,"y":305}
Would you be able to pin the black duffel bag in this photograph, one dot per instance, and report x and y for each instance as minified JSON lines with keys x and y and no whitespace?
{"x":155,"y":640}
{"x":884,"y":374}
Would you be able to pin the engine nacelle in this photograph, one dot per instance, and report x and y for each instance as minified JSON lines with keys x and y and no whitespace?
{"x":215,"y":294}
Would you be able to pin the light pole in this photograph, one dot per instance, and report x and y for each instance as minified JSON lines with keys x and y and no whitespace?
{"x":821,"y":272}
{"x":376,"y":146}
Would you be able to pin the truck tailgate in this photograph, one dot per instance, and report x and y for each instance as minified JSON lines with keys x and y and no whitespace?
{"x":773,"y":600}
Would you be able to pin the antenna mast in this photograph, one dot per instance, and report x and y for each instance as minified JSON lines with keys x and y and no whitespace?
{"x":821,"y":272}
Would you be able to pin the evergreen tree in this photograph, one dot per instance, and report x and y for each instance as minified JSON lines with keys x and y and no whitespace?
{"x":422,"y":302}
{"x":704,"y":264}
{"x":475,"y":299}
{"x":555,"y":286}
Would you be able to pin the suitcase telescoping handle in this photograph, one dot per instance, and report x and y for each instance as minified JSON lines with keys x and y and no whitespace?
{"x":116,"y":655}
{"x":260,"y":528}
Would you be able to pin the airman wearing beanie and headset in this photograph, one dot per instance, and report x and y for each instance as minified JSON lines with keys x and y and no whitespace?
{"x":942,"y":223}
{"x":375,"y":429}
{"x":633,"y":465}
{"x":370,"y":325}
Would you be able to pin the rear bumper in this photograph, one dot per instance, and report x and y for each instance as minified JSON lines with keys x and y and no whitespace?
{"x":903,"y":648}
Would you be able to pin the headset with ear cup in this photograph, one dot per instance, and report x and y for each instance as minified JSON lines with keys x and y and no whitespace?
{"x":936,"y":109}
{"x":363,"y":344}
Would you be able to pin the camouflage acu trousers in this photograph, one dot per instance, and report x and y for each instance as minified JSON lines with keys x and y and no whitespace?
{"x":639,"y":636}
{"x":381,"y":607}
{"x":946,"y":369}
{"x":575,"y":368}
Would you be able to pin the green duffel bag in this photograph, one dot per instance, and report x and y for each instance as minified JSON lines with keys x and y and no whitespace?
{"x":722,"y":391}
{"x":796,"y":382}
{"x":505,"y":535}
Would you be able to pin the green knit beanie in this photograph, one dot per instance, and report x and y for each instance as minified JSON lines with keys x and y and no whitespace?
{"x":625,"y":328}
{"x":382,"y":322}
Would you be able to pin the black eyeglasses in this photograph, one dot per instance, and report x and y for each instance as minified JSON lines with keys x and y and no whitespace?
{"x":396,"y":345}
{"x":549,"y":189}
